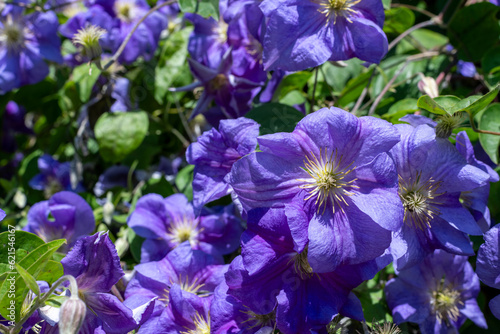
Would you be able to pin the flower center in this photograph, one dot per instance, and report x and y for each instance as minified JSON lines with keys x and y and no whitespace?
{"x":419,"y":200}
{"x":302,"y":266}
{"x":335,"y":8}
{"x":52,"y":186}
{"x":445,"y":303}
{"x":202,"y":325}
{"x":221,"y":31}
{"x":125,"y":10}
{"x":12,"y":35}
{"x":182,"y":230}
{"x":328,"y":180}
{"x":259,"y":320}
{"x":218,"y":82}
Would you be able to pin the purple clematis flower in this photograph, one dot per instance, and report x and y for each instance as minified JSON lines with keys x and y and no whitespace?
{"x":2,"y":214}
{"x":432,"y":174}
{"x":26,"y":42}
{"x":306,"y":33}
{"x":231,"y":93}
{"x":488,"y":265}
{"x":168,"y":222}
{"x":273,"y":276}
{"x":54,"y":177}
{"x":192,"y":270}
{"x":65,"y":215}
{"x":94,"y":263}
{"x":215,"y":153}
{"x":114,"y":176}
{"x":328,"y":172}
{"x":121,"y":95}
{"x":476,"y":200}
{"x":438,"y":294}
{"x":229,"y":315}
{"x":186,"y":313}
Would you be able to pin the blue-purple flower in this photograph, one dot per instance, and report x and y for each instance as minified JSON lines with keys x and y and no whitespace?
{"x":329,"y":172}
{"x":54,"y":177}
{"x":26,"y":43}
{"x":273,"y":276}
{"x":476,"y":200}
{"x":65,"y":215}
{"x":306,"y":33}
{"x":214,"y":154}
{"x":94,"y":263}
{"x":488,"y":265}
{"x":231,"y":93}
{"x":432,"y":174}
{"x":439,"y":294}
{"x":168,"y":222}
{"x":192,"y":270}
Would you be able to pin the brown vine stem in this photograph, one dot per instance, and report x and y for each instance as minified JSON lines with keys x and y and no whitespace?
{"x":117,"y":54}
{"x":428,"y":54}
{"x":471,"y":119}
{"x":431,"y":22}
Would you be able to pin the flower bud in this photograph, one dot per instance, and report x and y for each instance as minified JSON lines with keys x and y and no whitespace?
{"x":446,"y":124}
{"x":88,"y":38}
{"x":71,"y":315}
{"x":428,"y":85}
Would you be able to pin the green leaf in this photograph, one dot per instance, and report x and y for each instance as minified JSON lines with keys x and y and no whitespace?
{"x":427,"y":103}
{"x":85,"y":81}
{"x":118,"y":134}
{"x":491,"y":60}
{"x":205,"y":8}
{"x":28,"y":279}
{"x":52,"y":272}
{"x":398,"y":20}
{"x":427,"y":38}
{"x":490,"y":121}
{"x":184,"y":181}
{"x":474,"y":104}
{"x":275,"y":117}
{"x":172,"y":63}
{"x":337,"y":77}
{"x":386,"y":3}
{"x":354,"y":88}
{"x":135,"y":243}
{"x":474,"y":30}
{"x":294,"y":81}
{"x":447,"y":101}
{"x":400,"y":109}
{"x":32,"y":254}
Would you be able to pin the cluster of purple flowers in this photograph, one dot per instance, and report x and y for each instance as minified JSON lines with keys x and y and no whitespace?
{"x":313,"y":233}
{"x":314,"y":212}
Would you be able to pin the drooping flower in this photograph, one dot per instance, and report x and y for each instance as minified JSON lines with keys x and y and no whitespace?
{"x":54,"y":177}
{"x":231,"y":93}
{"x":65,"y":215}
{"x":214,"y":154}
{"x":303,"y":34}
{"x":168,"y":222}
{"x":476,"y":200}
{"x":94,"y":263}
{"x":432,"y":174}
{"x":273,"y":276}
{"x":488,"y":265}
{"x":439,"y":294}
{"x":26,"y":43}
{"x":328,"y":172}
{"x":192,"y":270}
